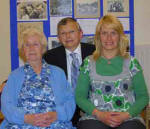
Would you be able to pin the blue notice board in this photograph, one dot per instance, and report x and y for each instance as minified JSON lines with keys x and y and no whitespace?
{"x":45,"y":14}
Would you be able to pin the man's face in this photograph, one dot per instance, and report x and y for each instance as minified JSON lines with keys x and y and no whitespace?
{"x":70,"y":35}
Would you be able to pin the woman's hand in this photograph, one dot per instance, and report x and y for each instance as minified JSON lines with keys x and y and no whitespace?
{"x":112,"y":119}
{"x":42,"y":119}
{"x":122,"y":116}
{"x":108,"y":118}
{"x":30,"y":119}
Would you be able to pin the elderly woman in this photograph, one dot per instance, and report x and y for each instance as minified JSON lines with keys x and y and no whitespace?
{"x":111,"y":87}
{"x":36,"y":95}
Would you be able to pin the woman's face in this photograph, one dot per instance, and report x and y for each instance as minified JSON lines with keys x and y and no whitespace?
{"x":109,"y":38}
{"x":33,"y":49}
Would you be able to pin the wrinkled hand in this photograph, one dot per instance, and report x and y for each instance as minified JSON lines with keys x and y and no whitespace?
{"x":30,"y":119}
{"x":112,"y":119}
{"x":41,"y":119}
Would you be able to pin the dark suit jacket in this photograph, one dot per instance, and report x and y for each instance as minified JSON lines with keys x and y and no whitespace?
{"x":57,"y":56}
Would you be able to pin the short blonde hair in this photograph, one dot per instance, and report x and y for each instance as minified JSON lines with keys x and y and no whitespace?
{"x":31,"y":32}
{"x":113,"y":23}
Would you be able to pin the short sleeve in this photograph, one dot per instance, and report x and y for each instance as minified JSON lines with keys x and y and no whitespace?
{"x":85,"y":66}
{"x":134,"y":66}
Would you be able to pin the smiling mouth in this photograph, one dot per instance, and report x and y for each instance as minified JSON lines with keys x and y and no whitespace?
{"x":69,"y":41}
{"x":109,"y":43}
{"x":32,"y":54}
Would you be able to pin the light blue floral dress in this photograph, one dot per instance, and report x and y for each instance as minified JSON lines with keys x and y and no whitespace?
{"x":36,"y":96}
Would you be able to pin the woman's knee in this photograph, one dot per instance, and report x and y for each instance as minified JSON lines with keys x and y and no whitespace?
{"x":133,"y":124}
{"x":91,"y":124}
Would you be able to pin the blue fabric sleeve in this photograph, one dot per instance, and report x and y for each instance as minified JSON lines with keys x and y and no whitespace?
{"x":12,"y":113}
{"x":66,"y":109}
{"x":65,"y":100}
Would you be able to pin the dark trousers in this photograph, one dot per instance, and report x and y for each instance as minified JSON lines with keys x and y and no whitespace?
{"x":95,"y":124}
{"x":76,"y":116}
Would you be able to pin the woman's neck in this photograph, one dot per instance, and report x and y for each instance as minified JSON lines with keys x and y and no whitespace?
{"x":36,"y":66}
{"x":109,"y":54}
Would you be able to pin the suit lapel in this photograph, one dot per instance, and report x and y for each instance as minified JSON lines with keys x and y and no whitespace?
{"x":63,"y":60}
{"x":83,"y":51}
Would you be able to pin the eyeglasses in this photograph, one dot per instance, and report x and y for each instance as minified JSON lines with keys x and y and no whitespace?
{"x":67,"y":33}
{"x":28,"y":45}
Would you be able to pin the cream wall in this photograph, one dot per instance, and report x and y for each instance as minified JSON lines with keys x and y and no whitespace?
{"x":142,"y":21}
{"x":142,"y":31}
{"x":142,"y":36}
{"x":5,"y":66}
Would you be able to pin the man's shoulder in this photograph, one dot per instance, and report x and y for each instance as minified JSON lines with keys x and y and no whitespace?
{"x":56,"y":50}
{"x":87,"y":48}
{"x":53,"y":55}
{"x":87,"y":45}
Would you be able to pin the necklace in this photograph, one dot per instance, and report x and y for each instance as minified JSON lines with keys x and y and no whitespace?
{"x":108,"y":61}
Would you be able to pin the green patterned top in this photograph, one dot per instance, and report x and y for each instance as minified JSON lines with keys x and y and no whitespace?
{"x":109,"y":70}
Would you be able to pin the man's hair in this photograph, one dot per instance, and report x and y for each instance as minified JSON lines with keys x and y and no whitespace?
{"x":64,"y":21}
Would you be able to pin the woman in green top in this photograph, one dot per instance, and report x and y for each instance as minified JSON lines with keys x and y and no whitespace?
{"x":111,"y":89}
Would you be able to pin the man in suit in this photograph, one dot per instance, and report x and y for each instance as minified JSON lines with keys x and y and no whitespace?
{"x":69,"y":34}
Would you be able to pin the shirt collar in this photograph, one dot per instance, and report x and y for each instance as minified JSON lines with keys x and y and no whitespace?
{"x":77,"y":50}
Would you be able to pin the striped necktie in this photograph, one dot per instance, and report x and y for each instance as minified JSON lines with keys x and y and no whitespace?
{"x":74,"y":70}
